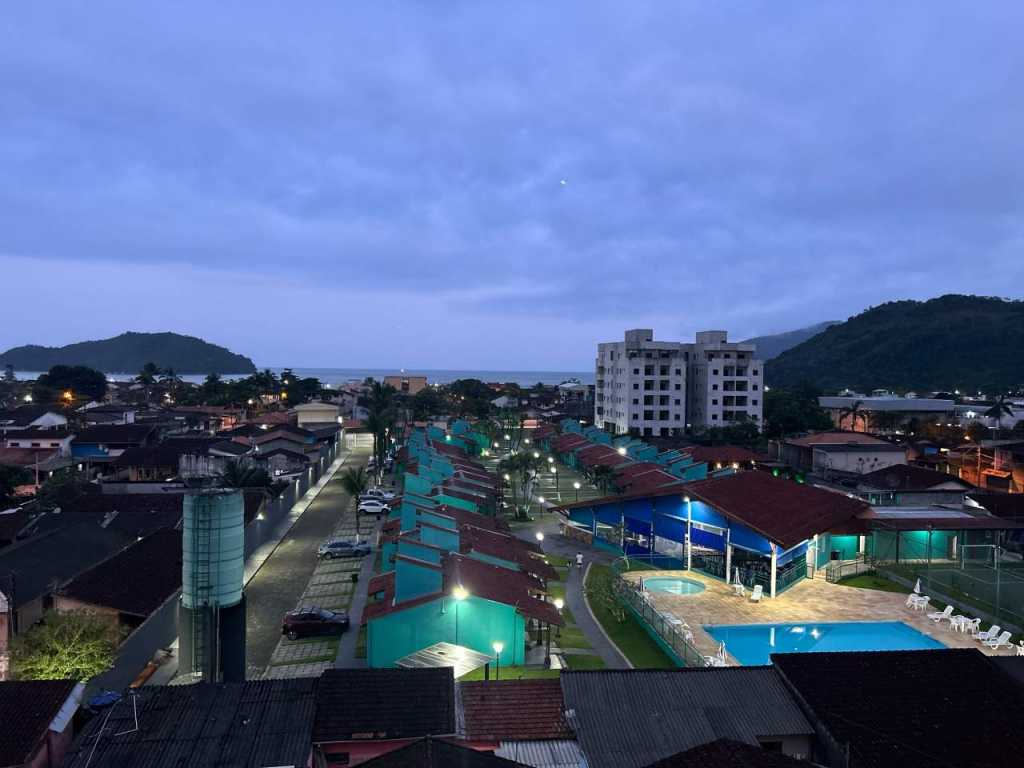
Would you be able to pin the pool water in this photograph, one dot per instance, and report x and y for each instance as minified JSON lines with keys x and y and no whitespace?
{"x":673,"y":585}
{"x":753,"y":643}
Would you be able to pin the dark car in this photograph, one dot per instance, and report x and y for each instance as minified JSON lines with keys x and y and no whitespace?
{"x":342,"y":548}
{"x":307,"y":622}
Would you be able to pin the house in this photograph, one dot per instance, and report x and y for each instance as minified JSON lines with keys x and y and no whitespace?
{"x":95,"y":414}
{"x":150,"y":463}
{"x":33,"y":438}
{"x":633,"y":718}
{"x":316,"y":412}
{"x":37,"y":721}
{"x":906,"y":709}
{"x":430,"y":752}
{"x":406,"y":385}
{"x":522,"y":720}
{"x":109,"y":441}
{"x":996,"y":465}
{"x":839,"y":453}
{"x":884,"y":412}
{"x":132,"y":584}
{"x":364,"y":713}
{"x":31,"y":417}
{"x":906,"y":484}
{"x":204,"y":725}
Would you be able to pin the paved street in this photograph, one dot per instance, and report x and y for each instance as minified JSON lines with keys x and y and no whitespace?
{"x":283,"y":578}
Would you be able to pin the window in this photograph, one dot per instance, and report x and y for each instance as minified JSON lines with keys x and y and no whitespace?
{"x":649,"y":384}
{"x":753,"y":402}
{"x":714,"y":372}
{"x":754,"y":387}
{"x":679,"y":371}
{"x":35,"y":445}
{"x":677,"y":415}
{"x":636,"y":385}
{"x":663,"y":416}
{"x":636,"y":401}
{"x":648,"y":415}
{"x":754,"y":372}
{"x":663,"y":370}
{"x":663,"y":400}
{"x":677,"y":401}
{"x":714,"y":386}
{"x":648,"y":370}
{"x":714,"y":402}
{"x":714,"y":417}
{"x":678,"y":387}
{"x":636,"y":371}
{"x":648,"y":399}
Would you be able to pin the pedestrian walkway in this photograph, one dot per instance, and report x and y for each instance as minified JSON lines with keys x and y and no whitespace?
{"x":346,"y":656}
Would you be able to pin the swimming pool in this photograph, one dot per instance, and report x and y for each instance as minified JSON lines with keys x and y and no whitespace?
{"x":753,"y":643}
{"x":674,"y":585}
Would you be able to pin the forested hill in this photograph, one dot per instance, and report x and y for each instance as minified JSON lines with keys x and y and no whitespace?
{"x":770,"y":347}
{"x":130,"y":351}
{"x":969,"y":343}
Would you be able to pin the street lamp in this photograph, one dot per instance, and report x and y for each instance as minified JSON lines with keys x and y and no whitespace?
{"x":536,"y":455}
{"x":460,"y":593}
{"x":554,"y":471}
{"x":559,"y":603}
{"x":540,"y":535}
{"x":498,"y":647}
{"x":527,"y":441}
{"x":576,"y":486}
{"x":622,"y":450}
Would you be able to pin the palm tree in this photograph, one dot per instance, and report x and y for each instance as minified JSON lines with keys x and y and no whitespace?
{"x":855,"y":411}
{"x":147,"y":377}
{"x":238,"y":475}
{"x":997,"y":411}
{"x":171,"y":380}
{"x":355,"y":482}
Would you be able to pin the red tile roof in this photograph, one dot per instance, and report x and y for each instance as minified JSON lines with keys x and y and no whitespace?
{"x":836,"y":438}
{"x":514,"y":710}
{"x":781,"y":510}
{"x":505,"y":547}
{"x":726,"y":454}
{"x":492,"y":582}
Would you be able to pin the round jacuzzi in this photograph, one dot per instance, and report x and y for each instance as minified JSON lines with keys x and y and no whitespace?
{"x":673,"y":585}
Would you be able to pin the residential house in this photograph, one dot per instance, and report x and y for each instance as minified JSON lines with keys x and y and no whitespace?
{"x":406,"y":385}
{"x":364,"y":713}
{"x":37,"y":721}
{"x":996,"y":465}
{"x":53,"y":439}
{"x":728,"y":753}
{"x":31,"y":417}
{"x":633,"y":718}
{"x":316,"y":412}
{"x":909,"y":485}
{"x":835,"y":454}
{"x":106,"y":442}
{"x":255,"y":723}
{"x":430,"y":752}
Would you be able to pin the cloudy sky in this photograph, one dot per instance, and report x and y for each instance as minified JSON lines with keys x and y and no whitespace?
{"x":474,"y":184}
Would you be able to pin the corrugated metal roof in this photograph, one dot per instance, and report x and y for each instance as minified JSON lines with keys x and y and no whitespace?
{"x":558,"y":753}
{"x":631,"y":718}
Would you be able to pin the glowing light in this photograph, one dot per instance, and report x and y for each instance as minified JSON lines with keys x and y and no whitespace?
{"x":540,"y":536}
{"x":498,"y":647}
{"x":551,"y":460}
{"x":541,"y":499}
{"x":576,"y":485}
{"x":686,"y":499}
{"x":460,"y":592}
{"x":559,"y":603}
{"x":622,"y":450}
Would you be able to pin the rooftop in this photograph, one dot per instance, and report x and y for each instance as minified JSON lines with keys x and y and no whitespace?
{"x":835,"y":438}
{"x":513,"y":710}
{"x":438,"y":753}
{"x":354,"y":704}
{"x":115,"y":433}
{"x":256,"y":723}
{"x":912,"y":709}
{"x":493,"y":582}
{"x":27,"y":707}
{"x":137,"y":580}
{"x":727,"y":753}
{"x":631,"y":718}
{"x":907,"y":477}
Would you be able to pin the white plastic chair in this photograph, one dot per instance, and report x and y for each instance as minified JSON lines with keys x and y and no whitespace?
{"x":938,"y":616}
{"x":919,"y":602}
{"x":988,"y":634}
{"x":999,"y":642}
{"x":757,"y":594}
{"x":1020,"y":648}
{"x":739,"y":589}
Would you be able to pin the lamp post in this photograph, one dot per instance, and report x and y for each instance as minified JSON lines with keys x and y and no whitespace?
{"x":540,"y":537}
{"x":554,"y":471}
{"x":576,"y":487}
{"x":498,"y":648}
{"x":559,"y":604}
{"x":460,"y":593}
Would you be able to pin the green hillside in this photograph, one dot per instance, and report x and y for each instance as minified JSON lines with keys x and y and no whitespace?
{"x":130,"y":351}
{"x":952,"y":342}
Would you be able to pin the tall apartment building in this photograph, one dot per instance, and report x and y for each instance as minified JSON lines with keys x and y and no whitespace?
{"x":659,"y":388}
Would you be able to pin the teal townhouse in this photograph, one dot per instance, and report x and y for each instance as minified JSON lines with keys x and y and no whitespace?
{"x":456,"y":585}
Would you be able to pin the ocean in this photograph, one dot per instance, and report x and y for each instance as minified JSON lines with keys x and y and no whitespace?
{"x":337,"y":376}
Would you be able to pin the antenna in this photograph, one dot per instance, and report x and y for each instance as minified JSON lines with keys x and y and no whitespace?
{"x":133,"y":694}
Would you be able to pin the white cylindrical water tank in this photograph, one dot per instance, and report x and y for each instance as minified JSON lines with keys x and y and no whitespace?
{"x":213,"y":548}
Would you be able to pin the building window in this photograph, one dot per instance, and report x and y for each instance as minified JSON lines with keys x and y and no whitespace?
{"x":636,"y":401}
{"x":714,"y":402}
{"x":677,"y":415}
{"x":677,"y":401}
{"x":636,"y":385}
{"x":664,"y":370}
{"x":714,"y":371}
{"x":714,"y":386}
{"x":663,"y":416}
{"x":636,"y":371}
{"x":753,"y":402}
{"x":648,"y":415}
{"x":714,"y":417}
{"x":754,"y":372}
{"x":678,"y":387}
{"x":754,"y":387}
{"x":679,"y":371}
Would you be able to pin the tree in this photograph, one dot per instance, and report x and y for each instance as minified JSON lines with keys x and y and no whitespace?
{"x":11,"y":478}
{"x":69,"y":383}
{"x":999,"y":409}
{"x":63,"y":489}
{"x":854,"y":411}
{"x":521,"y":469}
{"x":355,"y":482}
{"x":239,"y":475}
{"x":171,"y":381}
{"x":76,"y":645}
{"x":790,"y":412}
{"x":147,"y":378}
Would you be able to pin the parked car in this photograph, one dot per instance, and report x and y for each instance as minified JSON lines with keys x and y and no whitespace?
{"x":377,"y":493}
{"x":373,"y":507}
{"x":307,"y":622}
{"x":343,"y":548}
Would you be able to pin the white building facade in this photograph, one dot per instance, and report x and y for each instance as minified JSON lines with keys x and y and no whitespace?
{"x":659,"y":388}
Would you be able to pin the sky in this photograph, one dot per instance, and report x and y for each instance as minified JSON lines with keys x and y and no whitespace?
{"x":466,"y":184}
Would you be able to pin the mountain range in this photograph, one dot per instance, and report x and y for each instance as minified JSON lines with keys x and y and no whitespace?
{"x":771,"y":346}
{"x":128,"y":352}
{"x":970,"y":343}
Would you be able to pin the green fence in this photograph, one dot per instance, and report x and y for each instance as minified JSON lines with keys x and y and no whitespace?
{"x":669,"y":631}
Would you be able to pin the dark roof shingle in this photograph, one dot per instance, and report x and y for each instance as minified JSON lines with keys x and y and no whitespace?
{"x":354,"y":704}
{"x":726,"y":753}
{"x":27,"y":707}
{"x":438,"y":753}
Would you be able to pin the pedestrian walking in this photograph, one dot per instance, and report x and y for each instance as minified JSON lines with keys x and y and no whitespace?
{"x":579,"y":560}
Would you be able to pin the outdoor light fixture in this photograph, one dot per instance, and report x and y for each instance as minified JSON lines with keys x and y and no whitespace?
{"x":540,"y":536}
{"x":496,"y":444}
{"x":576,"y":485}
{"x":527,"y":441}
{"x":507,"y":477}
{"x":460,"y":593}
{"x":498,"y":647}
{"x":536,"y":455}
{"x":508,"y":437}
{"x":559,"y":603}
{"x":540,"y":499}
{"x":686,"y":499}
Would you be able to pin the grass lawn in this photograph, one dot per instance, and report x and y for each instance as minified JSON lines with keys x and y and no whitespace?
{"x":583,"y":661}
{"x":556,"y":589}
{"x":631,"y":638}
{"x":361,"y":643}
{"x":512,"y":673}
{"x":872,"y":581}
{"x":572,"y":637}
{"x":557,"y":560}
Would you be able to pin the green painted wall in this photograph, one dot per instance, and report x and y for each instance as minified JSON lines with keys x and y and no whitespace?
{"x":480,"y":623}
{"x":414,"y":580}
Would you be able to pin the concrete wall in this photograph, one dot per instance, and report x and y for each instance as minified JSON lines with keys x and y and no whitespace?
{"x":139,"y":648}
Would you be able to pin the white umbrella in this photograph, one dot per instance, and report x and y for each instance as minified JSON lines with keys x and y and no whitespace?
{"x":917,"y":587}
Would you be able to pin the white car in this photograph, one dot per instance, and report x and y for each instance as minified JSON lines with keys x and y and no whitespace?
{"x":373,"y":507}
{"x":378,"y":493}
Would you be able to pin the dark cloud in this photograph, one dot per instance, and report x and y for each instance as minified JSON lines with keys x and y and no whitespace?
{"x":754,"y":166}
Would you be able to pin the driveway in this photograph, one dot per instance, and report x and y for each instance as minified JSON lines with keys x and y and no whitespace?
{"x":282,"y":579}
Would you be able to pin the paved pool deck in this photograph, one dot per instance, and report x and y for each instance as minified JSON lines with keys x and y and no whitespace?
{"x":811,"y":600}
